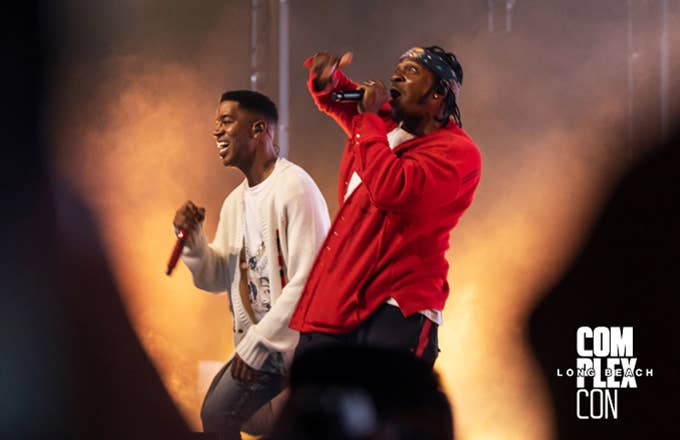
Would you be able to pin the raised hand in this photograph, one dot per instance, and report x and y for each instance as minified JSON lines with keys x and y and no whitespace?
{"x":324,"y":64}
{"x":189,"y":216}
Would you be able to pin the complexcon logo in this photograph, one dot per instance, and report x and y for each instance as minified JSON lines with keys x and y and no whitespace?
{"x":605,"y":365}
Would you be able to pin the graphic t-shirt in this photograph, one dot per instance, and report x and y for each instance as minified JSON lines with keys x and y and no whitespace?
{"x":259,"y":269}
{"x":256,"y":252}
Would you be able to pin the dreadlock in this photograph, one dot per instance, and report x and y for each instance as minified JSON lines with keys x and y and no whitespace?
{"x":451,"y":106}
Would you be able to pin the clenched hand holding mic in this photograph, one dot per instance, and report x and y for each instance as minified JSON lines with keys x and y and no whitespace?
{"x":188,"y":219}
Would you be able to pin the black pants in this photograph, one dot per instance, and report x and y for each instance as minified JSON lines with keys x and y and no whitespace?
{"x":385,"y":328}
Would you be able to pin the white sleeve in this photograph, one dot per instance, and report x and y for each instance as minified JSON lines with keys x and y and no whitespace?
{"x":211,"y":264}
{"x":307,"y":223}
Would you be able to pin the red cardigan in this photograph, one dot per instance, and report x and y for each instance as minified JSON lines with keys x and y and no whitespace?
{"x":389,"y":238}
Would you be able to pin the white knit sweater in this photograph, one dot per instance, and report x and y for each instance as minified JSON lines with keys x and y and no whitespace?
{"x":294,"y":207}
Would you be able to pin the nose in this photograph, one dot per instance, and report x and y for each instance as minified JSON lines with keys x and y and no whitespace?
{"x":397,"y":76}
{"x":218,"y":130}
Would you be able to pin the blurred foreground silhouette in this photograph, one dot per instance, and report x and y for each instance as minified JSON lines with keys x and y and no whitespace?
{"x":386,"y":395}
{"x":626,"y":275}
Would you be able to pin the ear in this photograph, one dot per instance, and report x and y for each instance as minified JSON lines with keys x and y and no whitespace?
{"x":258,"y":127}
{"x":441,"y":88}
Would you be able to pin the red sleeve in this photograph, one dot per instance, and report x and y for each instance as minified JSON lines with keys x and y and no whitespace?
{"x":428,"y":174}
{"x":342,"y":112}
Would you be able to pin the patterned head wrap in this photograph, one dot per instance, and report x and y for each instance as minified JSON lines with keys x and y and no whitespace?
{"x":437,"y":65}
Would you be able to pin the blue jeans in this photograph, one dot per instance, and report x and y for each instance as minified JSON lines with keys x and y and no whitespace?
{"x":229,"y":403}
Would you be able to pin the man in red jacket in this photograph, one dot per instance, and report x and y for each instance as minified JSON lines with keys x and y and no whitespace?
{"x":408,"y":173}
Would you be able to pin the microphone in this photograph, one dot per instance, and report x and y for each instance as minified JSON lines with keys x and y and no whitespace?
{"x":348,"y":95}
{"x":177,"y":250}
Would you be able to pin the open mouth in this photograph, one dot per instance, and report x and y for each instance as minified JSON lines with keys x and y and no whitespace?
{"x":394,"y":93}
{"x":223,"y":148}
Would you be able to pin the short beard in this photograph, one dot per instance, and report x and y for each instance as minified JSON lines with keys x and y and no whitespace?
{"x":396,"y":115}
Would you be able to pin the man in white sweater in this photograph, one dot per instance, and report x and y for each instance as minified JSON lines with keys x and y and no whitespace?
{"x":270,"y":229}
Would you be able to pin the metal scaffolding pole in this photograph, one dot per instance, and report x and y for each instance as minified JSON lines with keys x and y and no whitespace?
{"x":490,"y":5}
{"x":284,"y":104}
{"x":262,"y":68}
{"x":509,"y":4}
{"x":631,"y":78}
{"x":254,"y":66}
{"x":489,"y":17}
{"x":664,"y":47}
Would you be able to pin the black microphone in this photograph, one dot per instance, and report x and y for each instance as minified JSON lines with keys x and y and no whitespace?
{"x":348,"y":95}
